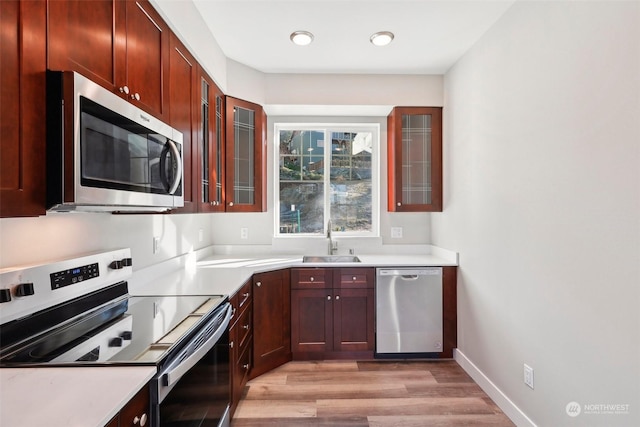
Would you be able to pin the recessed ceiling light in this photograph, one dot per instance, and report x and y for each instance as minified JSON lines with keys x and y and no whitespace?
{"x":381,"y":38}
{"x":301,"y":38}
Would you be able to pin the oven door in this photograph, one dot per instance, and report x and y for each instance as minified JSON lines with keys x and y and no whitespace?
{"x":194,"y":387}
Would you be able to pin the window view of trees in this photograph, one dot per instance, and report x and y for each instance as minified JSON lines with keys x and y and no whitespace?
{"x":319,"y":180}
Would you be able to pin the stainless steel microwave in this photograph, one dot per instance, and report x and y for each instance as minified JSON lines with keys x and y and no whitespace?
{"x":104,"y":154}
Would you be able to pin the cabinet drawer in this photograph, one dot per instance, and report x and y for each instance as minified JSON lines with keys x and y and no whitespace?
{"x":244,"y":295}
{"x":239,"y":301}
{"x":244,"y":365}
{"x":243,"y":325}
{"x":354,"y":278}
{"x":310,"y":278}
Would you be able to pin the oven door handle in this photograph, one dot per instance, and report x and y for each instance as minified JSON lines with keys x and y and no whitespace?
{"x":170,"y":376}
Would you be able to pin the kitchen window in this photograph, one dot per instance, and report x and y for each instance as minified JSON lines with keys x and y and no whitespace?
{"x":327,"y":171}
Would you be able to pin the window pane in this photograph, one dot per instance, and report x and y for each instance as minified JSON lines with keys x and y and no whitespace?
{"x":416,"y":149}
{"x":301,"y":166}
{"x":350,"y":181}
{"x":301,"y":207}
{"x":244,"y":128}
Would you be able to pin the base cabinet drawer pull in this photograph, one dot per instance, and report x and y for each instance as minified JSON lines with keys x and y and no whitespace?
{"x":328,"y":297}
{"x":311,"y":279}
{"x":140,"y":421}
{"x":337,"y":297}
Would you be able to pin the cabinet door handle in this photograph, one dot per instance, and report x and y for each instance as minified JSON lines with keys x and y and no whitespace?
{"x":125,"y":90}
{"x":328,"y":297}
{"x":136,"y":96}
{"x":246,"y":327}
{"x":231,"y":344}
{"x":311,"y":279}
{"x":399,"y":203}
{"x":258,"y":284}
{"x":140,"y":421}
{"x":246,"y":366}
{"x":354,"y":278}
{"x":230,"y":203}
{"x":337,"y":297}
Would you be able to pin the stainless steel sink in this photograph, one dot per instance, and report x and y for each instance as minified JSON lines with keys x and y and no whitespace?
{"x":330,"y":258}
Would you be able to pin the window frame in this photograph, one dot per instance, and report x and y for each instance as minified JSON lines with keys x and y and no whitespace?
{"x":328,"y":128}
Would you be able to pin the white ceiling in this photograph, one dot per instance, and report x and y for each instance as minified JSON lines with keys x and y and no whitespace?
{"x":430,"y":35}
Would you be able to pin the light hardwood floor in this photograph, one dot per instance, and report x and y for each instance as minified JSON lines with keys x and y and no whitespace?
{"x":367,"y":393}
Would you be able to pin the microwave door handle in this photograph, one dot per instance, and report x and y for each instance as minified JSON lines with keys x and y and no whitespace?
{"x":178,"y":163}
{"x":168,"y":379}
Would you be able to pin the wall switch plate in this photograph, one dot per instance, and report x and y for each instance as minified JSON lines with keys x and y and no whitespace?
{"x":528,"y":375}
{"x":200,"y":235}
{"x":396,"y":232}
{"x":156,"y":245}
{"x":244,"y":233}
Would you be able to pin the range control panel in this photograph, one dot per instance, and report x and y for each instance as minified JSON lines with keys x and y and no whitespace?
{"x":27,"y":290}
{"x":74,"y":275}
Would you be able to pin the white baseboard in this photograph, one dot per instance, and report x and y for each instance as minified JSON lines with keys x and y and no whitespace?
{"x":508,"y":407}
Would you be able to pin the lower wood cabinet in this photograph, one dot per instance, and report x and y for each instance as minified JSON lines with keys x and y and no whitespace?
{"x":332,"y":313}
{"x":240,"y":341}
{"x":136,"y":413}
{"x":449,"y":311}
{"x":271,"y":320}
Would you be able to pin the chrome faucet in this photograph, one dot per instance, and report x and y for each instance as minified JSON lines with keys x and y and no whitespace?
{"x":333,"y":246}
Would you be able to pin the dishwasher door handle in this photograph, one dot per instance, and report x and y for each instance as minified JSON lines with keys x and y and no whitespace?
{"x":409,"y":276}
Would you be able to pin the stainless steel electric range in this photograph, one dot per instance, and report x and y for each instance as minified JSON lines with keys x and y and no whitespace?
{"x":78,"y":312}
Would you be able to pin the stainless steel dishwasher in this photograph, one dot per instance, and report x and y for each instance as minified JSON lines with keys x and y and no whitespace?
{"x":408,"y":312}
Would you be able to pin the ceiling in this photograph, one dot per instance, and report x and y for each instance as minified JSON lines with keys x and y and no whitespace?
{"x":430,"y":35}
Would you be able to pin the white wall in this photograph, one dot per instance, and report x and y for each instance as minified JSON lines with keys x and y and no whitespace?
{"x":542,"y":201}
{"x":354,"y":89}
{"x":66,"y":235}
{"x":185,"y":21}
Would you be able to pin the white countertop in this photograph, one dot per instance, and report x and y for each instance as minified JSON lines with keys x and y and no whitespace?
{"x":67,"y":397}
{"x":225,"y":274}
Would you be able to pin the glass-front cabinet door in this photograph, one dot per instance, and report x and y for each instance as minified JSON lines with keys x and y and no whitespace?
{"x":414,"y":156}
{"x":211,"y":149}
{"x":245,"y":156}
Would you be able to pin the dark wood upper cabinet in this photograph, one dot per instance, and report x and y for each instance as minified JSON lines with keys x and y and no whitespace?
{"x":211,"y":146}
{"x":414,"y":159}
{"x":96,"y":53}
{"x":22,"y":108}
{"x":245,"y":157}
{"x":184,"y":101}
{"x":121,"y":45}
{"x":147,"y":58}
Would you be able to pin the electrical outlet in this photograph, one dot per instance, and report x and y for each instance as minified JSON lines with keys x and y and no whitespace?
{"x":244,"y":233}
{"x":528,"y":375}
{"x":396,"y":232}
{"x":156,"y":245}
{"x":200,"y":235}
